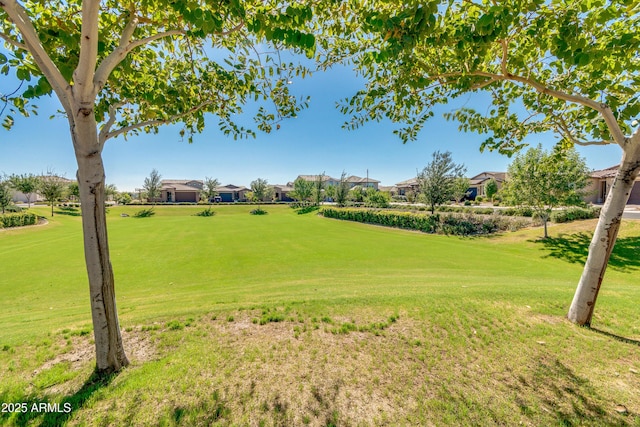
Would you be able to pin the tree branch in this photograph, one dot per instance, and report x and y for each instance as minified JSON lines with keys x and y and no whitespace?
{"x":616,"y":132}
{"x":563,"y":128}
{"x":104,"y":132}
{"x":13,"y":42}
{"x":157,"y":122}
{"x":123,"y":49}
{"x":84,"y":72}
{"x":32,"y":44}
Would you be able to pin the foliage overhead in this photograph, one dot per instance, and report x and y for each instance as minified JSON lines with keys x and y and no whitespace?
{"x":566,"y":66}
{"x":203,"y":56}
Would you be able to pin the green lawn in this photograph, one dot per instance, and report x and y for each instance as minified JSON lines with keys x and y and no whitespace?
{"x":288,"y":319}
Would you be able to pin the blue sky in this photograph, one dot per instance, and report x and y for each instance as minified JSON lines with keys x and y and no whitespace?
{"x":312,"y":143}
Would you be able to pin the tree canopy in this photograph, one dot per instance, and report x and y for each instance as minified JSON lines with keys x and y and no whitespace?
{"x":438,"y":179}
{"x":544,"y":180}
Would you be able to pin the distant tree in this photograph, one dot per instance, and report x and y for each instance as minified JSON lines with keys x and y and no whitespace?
{"x":51,"y":187}
{"x":318,"y":186}
{"x":73,"y":191}
{"x":356,"y":194}
{"x":411,"y":196}
{"x":461,"y":188}
{"x":26,"y":184}
{"x":209,"y":189}
{"x":491,"y":188}
{"x":342,"y":190}
{"x":330,"y":191}
{"x":544,"y":180}
{"x":437,"y":179}
{"x":5,"y":194}
{"x":123,"y":198}
{"x":152,"y":186}
{"x":302,"y":190}
{"x":261,"y":190}
{"x":376,"y":199}
{"x":111,"y":191}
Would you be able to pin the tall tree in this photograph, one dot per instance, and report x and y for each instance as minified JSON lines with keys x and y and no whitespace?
{"x":318,"y":187}
{"x":569,"y":67}
{"x":261,"y":190}
{"x":210,"y":188}
{"x":110,"y":191}
{"x":302,"y":190}
{"x":342,"y":190}
{"x":27,"y":184}
{"x":5,"y":194}
{"x":544,"y":180}
{"x":73,"y":190}
{"x":124,"y":68}
{"x":491,"y":188}
{"x":461,"y":188}
{"x":152,"y":186}
{"x":437,"y":180}
{"x":51,"y":187}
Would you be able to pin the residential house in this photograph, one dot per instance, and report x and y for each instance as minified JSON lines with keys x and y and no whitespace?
{"x":352,"y":180}
{"x":409,"y":185}
{"x":601,"y":182}
{"x":232,"y":193}
{"x":281,"y":192}
{"x":180,"y":190}
{"x":20,"y":197}
{"x":477,"y":183}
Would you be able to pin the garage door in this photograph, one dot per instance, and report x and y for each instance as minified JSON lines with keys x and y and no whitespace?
{"x":187,"y":196}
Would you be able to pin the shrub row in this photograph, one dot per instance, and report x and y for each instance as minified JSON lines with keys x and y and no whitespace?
{"x":17,"y":219}
{"x":461,"y":225}
{"x":573,"y":214}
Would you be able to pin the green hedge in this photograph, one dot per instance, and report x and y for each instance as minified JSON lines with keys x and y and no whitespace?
{"x":17,"y":220}
{"x":573,"y":214}
{"x":461,"y":225}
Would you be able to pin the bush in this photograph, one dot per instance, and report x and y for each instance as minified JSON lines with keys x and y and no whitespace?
{"x":17,"y":220}
{"x":145,"y":213}
{"x":377,"y":199}
{"x":206,"y":212}
{"x":573,"y":214}
{"x":517,"y":211}
{"x":479,"y":199}
{"x":258,"y":211}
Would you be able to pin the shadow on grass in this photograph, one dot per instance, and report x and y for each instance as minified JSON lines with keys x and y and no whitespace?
{"x":52,"y":414}
{"x":68,"y":213}
{"x":616,"y":337}
{"x":570,"y":398}
{"x":574,"y":249}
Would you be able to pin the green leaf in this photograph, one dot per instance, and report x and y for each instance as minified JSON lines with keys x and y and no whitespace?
{"x":3,"y":59}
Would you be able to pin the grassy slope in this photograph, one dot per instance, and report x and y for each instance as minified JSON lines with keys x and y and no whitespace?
{"x":373,"y":325}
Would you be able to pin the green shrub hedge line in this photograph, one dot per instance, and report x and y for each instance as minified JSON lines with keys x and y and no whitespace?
{"x":460,"y":225}
{"x":17,"y":219}
{"x":573,"y":214}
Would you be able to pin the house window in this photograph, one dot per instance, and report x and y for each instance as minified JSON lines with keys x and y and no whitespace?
{"x":169,"y":197}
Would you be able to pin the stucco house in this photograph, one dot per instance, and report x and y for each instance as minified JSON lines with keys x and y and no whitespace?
{"x":180,"y":190}
{"x":478,"y":182}
{"x":601,"y":182}
{"x":232,"y":193}
{"x":281,"y":192}
{"x":352,"y":180}
{"x":406,"y":186}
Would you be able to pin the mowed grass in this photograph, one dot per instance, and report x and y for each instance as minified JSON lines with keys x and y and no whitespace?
{"x":288,"y":319}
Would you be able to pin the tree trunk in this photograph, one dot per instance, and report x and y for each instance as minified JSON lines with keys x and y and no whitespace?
{"x":110,"y":355}
{"x":604,"y":239}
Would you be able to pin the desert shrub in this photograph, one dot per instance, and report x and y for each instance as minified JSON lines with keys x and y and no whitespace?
{"x":479,"y":199}
{"x":452,"y":223}
{"x":573,"y":214}
{"x":378,"y":199}
{"x":206,"y":212}
{"x":517,"y":211}
{"x":258,"y":211}
{"x":145,"y":213}
{"x":17,"y":219}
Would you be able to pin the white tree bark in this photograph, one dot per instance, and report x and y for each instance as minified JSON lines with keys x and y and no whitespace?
{"x":110,"y":355}
{"x":605,"y":235}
